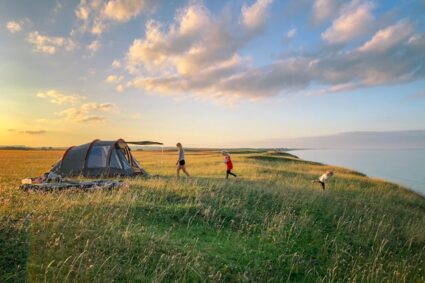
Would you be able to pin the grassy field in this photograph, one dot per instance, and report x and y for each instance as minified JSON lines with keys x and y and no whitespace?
{"x":268,"y":225}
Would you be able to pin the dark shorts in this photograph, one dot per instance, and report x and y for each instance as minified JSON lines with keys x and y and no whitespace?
{"x":182,"y":162}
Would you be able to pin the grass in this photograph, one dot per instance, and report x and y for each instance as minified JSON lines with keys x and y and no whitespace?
{"x":270,"y":224}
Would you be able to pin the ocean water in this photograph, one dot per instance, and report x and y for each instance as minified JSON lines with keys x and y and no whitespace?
{"x":405,"y":166}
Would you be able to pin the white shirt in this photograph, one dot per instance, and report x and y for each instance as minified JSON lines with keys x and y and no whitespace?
{"x":325,"y":177}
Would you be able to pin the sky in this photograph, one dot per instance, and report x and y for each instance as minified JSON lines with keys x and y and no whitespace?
{"x":208,"y":73}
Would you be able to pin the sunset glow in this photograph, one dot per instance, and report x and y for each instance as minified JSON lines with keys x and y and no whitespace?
{"x":208,"y":73}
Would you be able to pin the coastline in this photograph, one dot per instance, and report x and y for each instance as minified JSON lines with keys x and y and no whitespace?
{"x":397,"y":166}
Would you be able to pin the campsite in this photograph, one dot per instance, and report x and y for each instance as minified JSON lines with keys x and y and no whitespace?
{"x":270,"y":223}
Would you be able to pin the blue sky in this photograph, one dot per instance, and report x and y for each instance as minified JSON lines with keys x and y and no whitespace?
{"x":208,"y":73}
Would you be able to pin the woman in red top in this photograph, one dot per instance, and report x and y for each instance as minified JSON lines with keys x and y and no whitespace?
{"x":228,"y":162}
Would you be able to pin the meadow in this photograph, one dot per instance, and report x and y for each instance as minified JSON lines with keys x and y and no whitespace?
{"x":271,"y":224}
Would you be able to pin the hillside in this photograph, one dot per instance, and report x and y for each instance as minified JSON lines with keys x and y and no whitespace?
{"x":269,"y":224}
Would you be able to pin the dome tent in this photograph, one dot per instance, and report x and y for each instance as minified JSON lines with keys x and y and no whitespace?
{"x":100,"y":158}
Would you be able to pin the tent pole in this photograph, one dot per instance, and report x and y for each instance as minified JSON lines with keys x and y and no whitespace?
{"x":162,"y":154}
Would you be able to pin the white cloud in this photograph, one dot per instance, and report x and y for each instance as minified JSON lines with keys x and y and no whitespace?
{"x":388,"y":37}
{"x":354,"y":21}
{"x":111,"y":79}
{"x":97,"y":15}
{"x":50,"y":44}
{"x":83,"y":10}
{"x":116,"y":64}
{"x":181,"y":59}
{"x":98,"y":27}
{"x":94,"y":46}
{"x":254,"y":16}
{"x":71,"y":45}
{"x":56,"y":97}
{"x":324,"y":9}
{"x":393,"y":62}
{"x":14,"y":26}
{"x":88,"y":112}
{"x":120,"y":88}
{"x":123,"y":10}
{"x":114,"y":79}
{"x":183,"y":36}
{"x":291,"y":33}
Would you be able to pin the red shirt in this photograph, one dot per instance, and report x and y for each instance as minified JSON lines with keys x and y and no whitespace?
{"x":228,"y":162}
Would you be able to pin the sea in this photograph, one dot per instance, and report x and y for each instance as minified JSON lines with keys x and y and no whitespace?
{"x":402,"y":166}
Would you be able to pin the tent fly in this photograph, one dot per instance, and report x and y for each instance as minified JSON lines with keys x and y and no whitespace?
{"x":100,"y":159}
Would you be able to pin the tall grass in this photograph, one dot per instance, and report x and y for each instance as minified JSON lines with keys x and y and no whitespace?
{"x":269,"y":224}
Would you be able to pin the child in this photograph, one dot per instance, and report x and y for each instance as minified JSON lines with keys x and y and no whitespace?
{"x":324,"y":178}
{"x":181,"y":163}
{"x":228,"y":162}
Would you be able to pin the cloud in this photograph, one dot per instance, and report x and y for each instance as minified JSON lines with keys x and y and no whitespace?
{"x":254,"y":16}
{"x":388,"y":37}
{"x":14,"y":26}
{"x":114,"y":79}
{"x":56,"y":97}
{"x":111,"y":79}
{"x":88,"y":112}
{"x":291,"y":33}
{"x":336,"y":71}
{"x":181,"y":59}
{"x":29,"y":132}
{"x":116,"y":64}
{"x":50,"y":44}
{"x":354,"y":21}
{"x":97,"y":15}
{"x":97,"y":106}
{"x":324,"y":9}
{"x":83,"y":10}
{"x":123,"y":10}
{"x":159,"y":48}
{"x":71,"y":45}
{"x":401,"y":61}
{"x":94,"y":46}
{"x":120,"y":88}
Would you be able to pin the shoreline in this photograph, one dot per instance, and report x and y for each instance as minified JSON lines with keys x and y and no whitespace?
{"x":392,"y":172}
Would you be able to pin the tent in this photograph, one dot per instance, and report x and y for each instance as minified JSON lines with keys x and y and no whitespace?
{"x":100,"y":159}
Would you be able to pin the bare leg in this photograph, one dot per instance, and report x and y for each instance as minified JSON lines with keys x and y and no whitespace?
{"x":321,"y":183}
{"x":184,"y":170}
{"x":178,"y":172}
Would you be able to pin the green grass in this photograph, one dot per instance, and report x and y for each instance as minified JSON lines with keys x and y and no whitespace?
{"x":270,"y":224}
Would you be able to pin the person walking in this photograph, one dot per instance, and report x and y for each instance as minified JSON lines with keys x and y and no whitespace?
{"x":181,"y":163}
{"x":229,"y":164}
